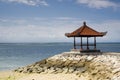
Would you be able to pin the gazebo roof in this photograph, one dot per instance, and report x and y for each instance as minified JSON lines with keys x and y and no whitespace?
{"x":85,"y":31}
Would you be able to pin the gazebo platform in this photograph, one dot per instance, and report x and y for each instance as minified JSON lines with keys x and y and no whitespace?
{"x":89,"y":51}
{"x":85,"y":51}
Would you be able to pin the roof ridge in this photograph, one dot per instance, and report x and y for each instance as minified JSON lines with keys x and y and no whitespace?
{"x":85,"y":31}
{"x":82,"y":28}
{"x":92,"y":29}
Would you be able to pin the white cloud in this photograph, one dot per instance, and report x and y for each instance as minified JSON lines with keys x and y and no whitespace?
{"x":66,"y":18}
{"x":53,"y":30}
{"x":98,"y":3}
{"x":113,"y":29}
{"x":29,"y":2}
{"x":34,"y":30}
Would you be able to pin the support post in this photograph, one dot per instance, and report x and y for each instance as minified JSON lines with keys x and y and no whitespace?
{"x":81,"y":44}
{"x":95,"y":43}
{"x":87,"y":44}
{"x":74,"y":43}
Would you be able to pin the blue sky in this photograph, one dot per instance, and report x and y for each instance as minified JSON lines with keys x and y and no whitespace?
{"x":49,"y":20}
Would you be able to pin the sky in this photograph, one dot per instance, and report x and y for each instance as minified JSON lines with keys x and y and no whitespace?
{"x":49,"y":20}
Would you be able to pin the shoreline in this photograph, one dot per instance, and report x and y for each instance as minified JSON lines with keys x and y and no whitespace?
{"x":69,"y":66}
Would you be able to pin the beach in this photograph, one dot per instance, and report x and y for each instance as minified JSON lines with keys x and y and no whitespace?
{"x":9,"y":75}
{"x":70,"y":66}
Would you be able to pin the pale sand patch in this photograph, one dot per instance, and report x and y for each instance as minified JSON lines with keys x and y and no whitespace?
{"x":59,"y":76}
{"x":9,"y":75}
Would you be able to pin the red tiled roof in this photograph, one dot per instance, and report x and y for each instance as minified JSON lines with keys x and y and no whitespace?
{"x":85,"y":31}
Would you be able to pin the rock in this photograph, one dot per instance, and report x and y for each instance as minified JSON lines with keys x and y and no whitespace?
{"x":89,"y":58}
{"x":116,"y":70}
{"x":65,"y":70}
{"x":59,"y":63}
{"x":41,"y":62}
{"x":40,"y":70}
{"x":83,"y":78}
{"x":67,"y":63}
{"x":19,"y":70}
{"x":81,"y":69}
{"x":116,"y":78}
{"x":51,"y":62}
{"x":35,"y":70}
{"x":71,"y":69}
{"x":90,"y":67}
{"x":51,"y":70}
{"x":59,"y":70}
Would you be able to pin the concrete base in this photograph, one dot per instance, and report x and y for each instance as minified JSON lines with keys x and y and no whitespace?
{"x":84,"y":51}
{"x":75,"y":50}
{"x":87,"y":51}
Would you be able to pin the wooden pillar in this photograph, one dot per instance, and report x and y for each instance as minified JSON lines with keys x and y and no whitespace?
{"x":87,"y":44}
{"x":74,"y":43}
{"x":81,"y":44}
{"x":95,"y":43}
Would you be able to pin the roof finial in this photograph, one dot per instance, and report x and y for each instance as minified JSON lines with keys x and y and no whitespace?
{"x":84,"y":23}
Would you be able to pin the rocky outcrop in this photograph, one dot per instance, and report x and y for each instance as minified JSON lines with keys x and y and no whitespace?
{"x":105,"y":66}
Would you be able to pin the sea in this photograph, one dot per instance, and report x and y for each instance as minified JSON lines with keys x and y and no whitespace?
{"x":14,"y":55}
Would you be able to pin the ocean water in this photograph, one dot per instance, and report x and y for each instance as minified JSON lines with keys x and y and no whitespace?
{"x":14,"y":55}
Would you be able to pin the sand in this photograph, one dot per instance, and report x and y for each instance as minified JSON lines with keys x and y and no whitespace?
{"x":96,"y":67}
{"x":9,"y":75}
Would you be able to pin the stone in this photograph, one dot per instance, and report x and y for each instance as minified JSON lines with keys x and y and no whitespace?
{"x":81,"y":69}
{"x":89,"y":58}
{"x":80,"y":64}
{"x":40,"y":70}
{"x":116,"y":70}
{"x":83,"y":77}
{"x":71,"y":69}
{"x":51,"y":70}
{"x":41,"y":62}
{"x":44,"y":68}
{"x":67,"y":63}
{"x":74,"y":62}
{"x":59,"y":70}
{"x":30,"y":71}
{"x":65,"y":70}
{"x":89,"y":67}
{"x":59,"y":63}
{"x":19,"y":70}
{"x":50,"y":62}
{"x":116,"y":78}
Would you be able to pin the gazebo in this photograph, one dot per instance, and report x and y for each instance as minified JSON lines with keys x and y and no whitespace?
{"x":85,"y":32}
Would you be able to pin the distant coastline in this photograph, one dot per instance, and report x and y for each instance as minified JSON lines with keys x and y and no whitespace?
{"x":50,"y":42}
